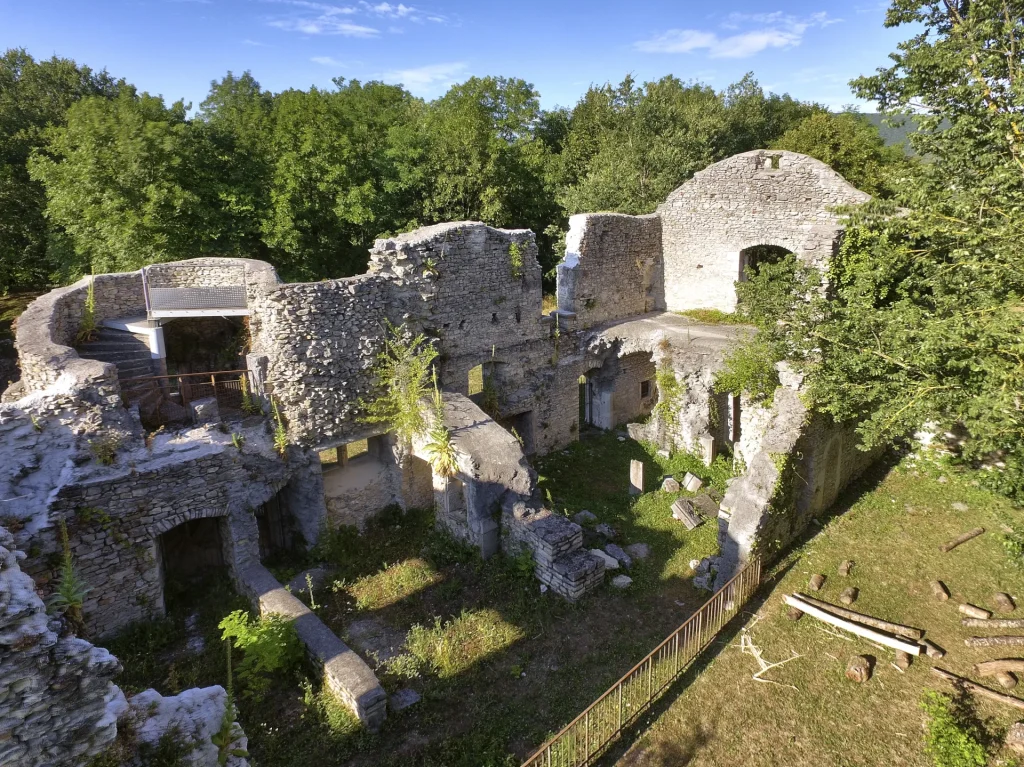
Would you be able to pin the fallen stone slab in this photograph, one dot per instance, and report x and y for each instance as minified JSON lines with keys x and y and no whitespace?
{"x":610,"y":562}
{"x":583,"y":517}
{"x":319,"y":575}
{"x":622,"y":581}
{"x":620,"y":555}
{"x":682,"y":510}
{"x":706,"y":506}
{"x":606,"y":530}
{"x":638,"y":550}
{"x":403,"y":699}
{"x":692,"y":482}
{"x":670,"y":485}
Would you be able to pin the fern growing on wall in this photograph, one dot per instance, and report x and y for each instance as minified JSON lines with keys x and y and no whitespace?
{"x":515,"y":260}
{"x":280,"y":432}
{"x":670,"y":394}
{"x":403,"y":379}
{"x":87,"y":326}
{"x":71,"y":589}
{"x":440,"y":449}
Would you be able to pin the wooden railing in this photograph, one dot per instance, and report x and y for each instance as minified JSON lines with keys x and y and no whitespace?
{"x":588,"y":736}
{"x":225,"y":385}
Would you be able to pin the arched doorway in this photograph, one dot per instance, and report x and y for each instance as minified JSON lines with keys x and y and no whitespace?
{"x":756,"y":256}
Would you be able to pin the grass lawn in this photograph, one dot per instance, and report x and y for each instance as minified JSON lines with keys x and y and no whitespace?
{"x":499,"y":664}
{"x":809,"y":714}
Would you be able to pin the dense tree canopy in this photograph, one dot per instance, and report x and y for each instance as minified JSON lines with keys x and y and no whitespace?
{"x":95,"y":176}
{"x":926,"y":321}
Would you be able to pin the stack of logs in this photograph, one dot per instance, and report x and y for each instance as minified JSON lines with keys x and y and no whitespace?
{"x":909,"y":642}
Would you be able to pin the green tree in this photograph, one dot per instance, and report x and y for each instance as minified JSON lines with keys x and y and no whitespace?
{"x":852,"y":147}
{"x":124,"y":180}
{"x":34,"y":96}
{"x":927,"y":321}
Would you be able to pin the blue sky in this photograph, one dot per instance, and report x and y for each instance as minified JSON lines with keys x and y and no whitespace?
{"x":176,"y":47}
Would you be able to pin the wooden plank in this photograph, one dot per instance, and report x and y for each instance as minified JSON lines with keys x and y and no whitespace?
{"x":854,"y":628}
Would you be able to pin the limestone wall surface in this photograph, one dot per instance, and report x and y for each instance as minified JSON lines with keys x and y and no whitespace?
{"x":460,"y":283}
{"x":48,"y":327}
{"x":748,"y":199}
{"x":797,"y":463}
{"x":612,"y":267}
{"x":116,"y":514}
{"x":58,"y":705}
{"x":209,"y":273}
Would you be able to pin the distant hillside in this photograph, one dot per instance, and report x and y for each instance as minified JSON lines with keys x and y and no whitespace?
{"x":893,"y":136}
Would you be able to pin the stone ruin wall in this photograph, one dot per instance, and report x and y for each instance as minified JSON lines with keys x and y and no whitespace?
{"x":741,"y":202}
{"x":47,"y":330}
{"x":455,"y":282}
{"x":58,"y":705}
{"x":612,"y":268}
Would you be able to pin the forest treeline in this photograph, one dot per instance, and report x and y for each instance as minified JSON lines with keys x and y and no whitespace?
{"x":96,"y":176}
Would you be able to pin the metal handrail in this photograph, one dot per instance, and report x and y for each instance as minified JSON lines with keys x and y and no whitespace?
{"x":696,"y":633}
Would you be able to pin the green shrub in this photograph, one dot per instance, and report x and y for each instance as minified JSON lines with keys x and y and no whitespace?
{"x":439,"y":448}
{"x":71,"y":589}
{"x":750,"y":368}
{"x":402,"y":378}
{"x":280,"y":432}
{"x":515,"y":260}
{"x":768,"y":293}
{"x":951,"y":739}
{"x":104,"y":448}
{"x":670,"y":394}
{"x":270,"y":644}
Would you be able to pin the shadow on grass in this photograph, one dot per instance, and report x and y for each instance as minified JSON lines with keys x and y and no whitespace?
{"x":682,"y":753}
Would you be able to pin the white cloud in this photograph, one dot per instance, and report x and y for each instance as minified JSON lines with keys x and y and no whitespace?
{"x":328,"y":61}
{"x":755,"y":32}
{"x":429,"y":79}
{"x":324,"y":25}
{"x":355,"y":20}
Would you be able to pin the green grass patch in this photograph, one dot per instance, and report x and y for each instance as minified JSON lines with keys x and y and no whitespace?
{"x":808,"y":714}
{"x":392,"y":584}
{"x":714,"y":317}
{"x":452,"y":647}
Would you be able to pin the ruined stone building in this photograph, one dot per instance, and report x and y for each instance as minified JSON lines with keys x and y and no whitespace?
{"x":517,"y":382}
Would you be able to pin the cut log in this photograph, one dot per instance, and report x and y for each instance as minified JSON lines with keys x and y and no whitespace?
{"x":845,"y":567}
{"x":682,"y":510}
{"x":994,"y":623}
{"x":993,"y":667}
{"x":978,"y":689}
{"x":902,"y":661}
{"x":1004,"y":602}
{"x":973,"y":611}
{"x":849,"y":595}
{"x":1000,"y":641}
{"x":932,"y":649}
{"x":794,"y":613}
{"x":859,"y":669}
{"x":947,"y":547}
{"x":1015,"y":738}
{"x":939,"y":591}
{"x":893,"y":628}
{"x":816,"y":582}
{"x":854,"y":628}
{"x":1006,"y":680}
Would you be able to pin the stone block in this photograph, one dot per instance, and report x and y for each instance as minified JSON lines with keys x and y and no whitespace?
{"x":610,"y":562}
{"x":692,"y":483}
{"x":620,"y":555}
{"x":622,"y":581}
{"x":636,"y":477}
{"x":204,"y":410}
{"x":682,"y":510}
{"x":670,"y":485}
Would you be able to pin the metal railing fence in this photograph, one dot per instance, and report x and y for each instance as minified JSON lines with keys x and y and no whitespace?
{"x":589,"y":735}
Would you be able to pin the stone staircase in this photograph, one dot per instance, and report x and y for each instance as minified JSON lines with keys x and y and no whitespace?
{"x":128,"y":351}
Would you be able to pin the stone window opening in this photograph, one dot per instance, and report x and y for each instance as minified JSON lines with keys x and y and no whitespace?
{"x":361,"y":482}
{"x":756,"y":256}
{"x":273,"y":523}
{"x":646,"y":389}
